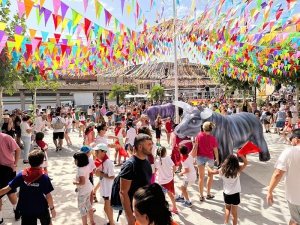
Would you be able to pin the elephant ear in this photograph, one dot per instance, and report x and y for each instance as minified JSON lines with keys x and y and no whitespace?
{"x":185,"y":106}
{"x":206,"y":113}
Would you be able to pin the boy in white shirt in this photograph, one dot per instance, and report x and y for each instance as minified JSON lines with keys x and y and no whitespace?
{"x":130,"y":136}
{"x":107,"y":175}
{"x":189,"y":176}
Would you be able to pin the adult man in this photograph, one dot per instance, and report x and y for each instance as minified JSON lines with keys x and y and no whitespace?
{"x":294,"y":112}
{"x":58,"y":125}
{"x":288,"y":164}
{"x":38,"y":123}
{"x":135,"y":176}
{"x":8,"y":166}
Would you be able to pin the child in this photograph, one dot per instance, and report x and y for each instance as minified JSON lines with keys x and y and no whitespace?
{"x":34,"y":196}
{"x":165,"y":168}
{"x":84,"y":187}
{"x":44,"y":147}
{"x":106,"y":173}
{"x":88,"y":151}
{"x":230,"y":174}
{"x":189,"y":174}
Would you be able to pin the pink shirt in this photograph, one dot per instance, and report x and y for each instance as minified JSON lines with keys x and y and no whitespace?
{"x":103,"y":111}
{"x":206,"y":144}
{"x":7,"y":147}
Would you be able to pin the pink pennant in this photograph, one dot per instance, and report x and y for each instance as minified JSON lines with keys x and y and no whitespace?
{"x":56,"y":5}
{"x":21,"y":8}
{"x":85,"y":4}
{"x":34,"y":43}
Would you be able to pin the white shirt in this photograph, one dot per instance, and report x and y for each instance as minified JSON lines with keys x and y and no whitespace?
{"x":131,"y":134}
{"x":24,"y":126}
{"x":100,"y":140}
{"x":164,"y":169}
{"x":38,"y":124}
{"x":54,"y":121}
{"x":231,"y":185}
{"x":105,"y":183}
{"x":293,"y":109}
{"x":288,"y":161}
{"x":87,"y":187}
{"x":91,"y":164}
{"x":69,"y":122}
{"x":189,"y":163}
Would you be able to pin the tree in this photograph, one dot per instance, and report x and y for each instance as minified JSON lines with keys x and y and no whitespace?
{"x":9,"y":76}
{"x":133,"y":89}
{"x":117,"y":92}
{"x":33,"y":81}
{"x":157,"y":92}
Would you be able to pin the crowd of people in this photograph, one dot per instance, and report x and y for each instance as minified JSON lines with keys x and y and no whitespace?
{"x":147,"y":171}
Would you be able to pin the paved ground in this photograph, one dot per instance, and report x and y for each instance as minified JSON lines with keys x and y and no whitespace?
{"x":253,"y":208}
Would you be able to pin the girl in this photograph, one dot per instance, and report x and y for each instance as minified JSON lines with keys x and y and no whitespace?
{"x":121,"y":134}
{"x":26,"y":130}
{"x":84,"y":187}
{"x":48,"y":113}
{"x":267,"y":121}
{"x":288,"y":127}
{"x":297,"y":125}
{"x":165,"y":168}
{"x":230,"y":173}
{"x":81,"y":122}
{"x":168,"y":126}
{"x":97,"y":112}
{"x":158,"y":125}
{"x":90,"y":112}
{"x":89,"y":134}
{"x":150,"y":206}
{"x":69,"y":123}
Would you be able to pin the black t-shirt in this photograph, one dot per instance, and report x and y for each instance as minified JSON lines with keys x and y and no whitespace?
{"x":17,"y":120}
{"x":58,"y":109}
{"x":5,"y":127}
{"x":140,"y":177}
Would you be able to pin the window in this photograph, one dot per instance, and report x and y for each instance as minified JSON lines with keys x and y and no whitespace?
{"x":141,"y":86}
{"x":111,"y":79}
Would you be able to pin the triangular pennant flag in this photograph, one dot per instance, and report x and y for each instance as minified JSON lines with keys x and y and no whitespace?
{"x":34,"y":42}
{"x":128,"y":9}
{"x":87,"y":25}
{"x":50,"y":47}
{"x":18,"y":29}
{"x":56,"y":5}
{"x":85,"y":4}
{"x":122,"y":5}
{"x":28,"y":49}
{"x":47,"y":15}
{"x":21,"y":9}
{"x":64,"y":8}
{"x":107,"y":17}
{"x":18,"y":40}
{"x":38,"y":15}
{"x":42,"y":2}
{"x":32,"y":33}
{"x":45,"y":35}
{"x":57,"y":37}
{"x":28,"y":6}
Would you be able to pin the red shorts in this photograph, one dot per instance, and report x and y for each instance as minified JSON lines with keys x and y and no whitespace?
{"x":169,"y":186}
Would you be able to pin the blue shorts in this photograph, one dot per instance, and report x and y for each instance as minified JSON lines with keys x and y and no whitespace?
{"x":280,"y":124}
{"x":202,"y":160}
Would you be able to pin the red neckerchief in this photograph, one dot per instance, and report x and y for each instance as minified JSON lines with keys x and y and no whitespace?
{"x":117,"y":131}
{"x":97,"y":162}
{"x":85,"y":135}
{"x":32,"y":174}
{"x":183,"y":157}
{"x":101,"y":162}
{"x":41,"y":144}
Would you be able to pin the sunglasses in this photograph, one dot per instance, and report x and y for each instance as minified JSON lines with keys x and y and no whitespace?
{"x":102,"y":150}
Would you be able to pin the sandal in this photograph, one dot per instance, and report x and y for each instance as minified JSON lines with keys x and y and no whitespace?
{"x":174,"y":211}
{"x":95,"y":198}
{"x":210,"y":196}
{"x":201,"y":199}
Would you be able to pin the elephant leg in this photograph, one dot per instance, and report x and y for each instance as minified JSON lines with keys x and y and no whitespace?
{"x":225,"y":147}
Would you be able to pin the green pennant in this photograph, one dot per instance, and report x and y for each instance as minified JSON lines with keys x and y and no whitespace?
{"x":50,"y":47}
{"x":69,"y":38}
{"x":38,"y":16}
{"x":11,"y":45}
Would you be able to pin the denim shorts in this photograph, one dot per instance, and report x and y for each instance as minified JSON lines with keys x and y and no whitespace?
{"x":202,"y":160}
{"x":280,"y":124}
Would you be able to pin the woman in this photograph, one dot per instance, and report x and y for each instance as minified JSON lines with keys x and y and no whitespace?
{"x":63,"y":110}
{"x":89,"y":134}
{"x":69,"y":123}
{"x":26,"y":131}
{"x":150,"y":206}
{"x":288,"y":127}
{"x":81,"y":122}
{"x":48,"y":113}
{"x":207,"y":148}
{"x":121,"y":134}
{"x":168,"y":127}
{"x":158,"y":125}
{"x":90,"y":112}
{"x":267,"y":121}
{"x":245,"y":106}
{"x":97,"y":112}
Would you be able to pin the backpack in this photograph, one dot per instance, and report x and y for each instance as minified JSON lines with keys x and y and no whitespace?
{"x":115,"y":200}
{"x":58,"y":124}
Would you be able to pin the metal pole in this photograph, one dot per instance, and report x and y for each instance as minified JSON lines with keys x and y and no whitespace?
{"x":175,"y":64}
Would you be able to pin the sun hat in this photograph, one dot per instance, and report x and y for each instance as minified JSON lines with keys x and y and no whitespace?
{"x":101,"y":146}
{"x":85,"y":149}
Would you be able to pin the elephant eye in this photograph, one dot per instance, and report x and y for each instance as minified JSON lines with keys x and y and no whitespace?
{"x":193,"y":121}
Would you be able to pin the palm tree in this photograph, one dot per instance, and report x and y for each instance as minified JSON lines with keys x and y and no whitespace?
{"x":133,"y":89}
{"x":157,"y":92}
{"x":117,"y":92}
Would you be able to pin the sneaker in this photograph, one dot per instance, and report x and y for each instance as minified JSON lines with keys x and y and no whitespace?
{"x":187,"y":204}
{"x":17,"y":215}
{"x":179,"y":199}
{"x":1,"y":222}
